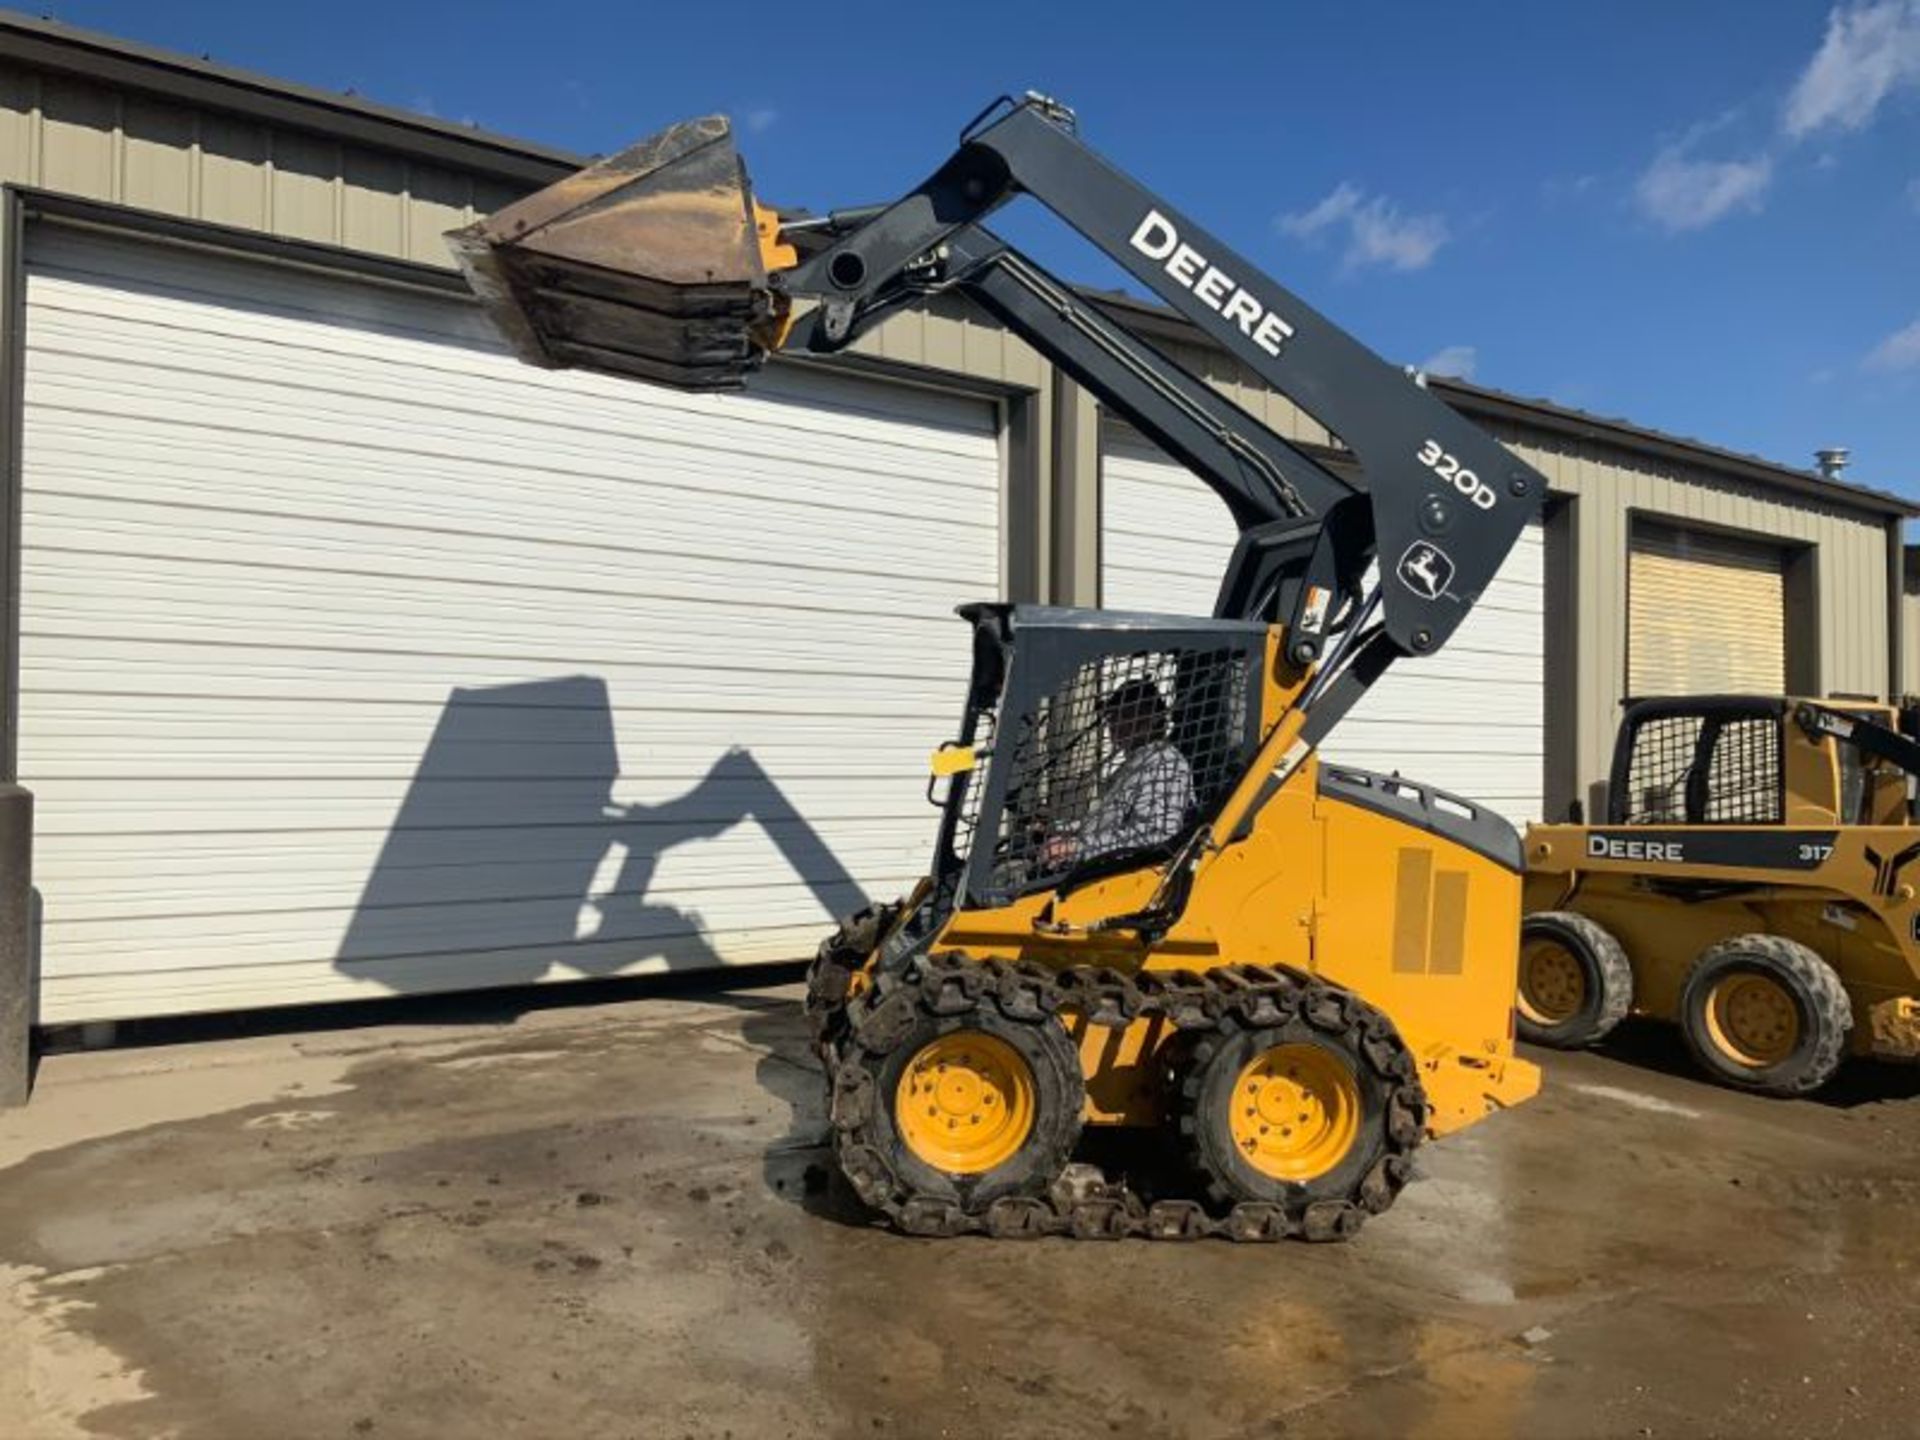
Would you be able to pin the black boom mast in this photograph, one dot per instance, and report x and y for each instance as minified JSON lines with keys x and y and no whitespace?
{"x":1447,"y":501}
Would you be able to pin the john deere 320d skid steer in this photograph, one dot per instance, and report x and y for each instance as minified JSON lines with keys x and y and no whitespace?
{"x":1150,"y":905}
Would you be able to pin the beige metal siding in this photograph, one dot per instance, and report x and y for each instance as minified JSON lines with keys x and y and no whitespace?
{"x":1608,"y":486}
{"x":1249,"y":392}
{"x":953,"y":337}
{"x":1706,"y":614}
{"x":79,"y":138}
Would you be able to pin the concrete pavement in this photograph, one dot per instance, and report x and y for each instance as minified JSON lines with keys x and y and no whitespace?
{"x":614,"y":1220}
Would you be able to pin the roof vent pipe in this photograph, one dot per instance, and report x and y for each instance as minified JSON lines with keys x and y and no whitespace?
{"x":1832,"y":461}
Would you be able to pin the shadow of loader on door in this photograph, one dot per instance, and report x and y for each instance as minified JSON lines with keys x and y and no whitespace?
{"x":510,"y":859}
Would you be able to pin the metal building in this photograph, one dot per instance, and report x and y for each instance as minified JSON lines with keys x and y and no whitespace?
{"x":346,"y":657}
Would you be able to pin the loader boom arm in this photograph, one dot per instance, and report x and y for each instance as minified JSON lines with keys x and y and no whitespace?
{"x":658,"y":263}
{"x":1298,"y":520}
{"x":1447,"y":501}
{"x":1864,"y":732}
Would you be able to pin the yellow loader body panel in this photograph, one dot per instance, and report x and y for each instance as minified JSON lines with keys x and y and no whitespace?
{"x":1421,"y":926}
{"x":1831,"y":907}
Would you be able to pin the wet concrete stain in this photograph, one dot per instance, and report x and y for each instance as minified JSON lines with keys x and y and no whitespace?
{"x":623,"y":1227}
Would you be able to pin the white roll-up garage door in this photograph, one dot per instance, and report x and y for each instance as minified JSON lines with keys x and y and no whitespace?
{"x":1471,"y":719}
{"x":357,"y":658}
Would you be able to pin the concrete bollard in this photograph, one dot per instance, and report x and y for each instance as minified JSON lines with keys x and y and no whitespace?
{"x":16,"y":945}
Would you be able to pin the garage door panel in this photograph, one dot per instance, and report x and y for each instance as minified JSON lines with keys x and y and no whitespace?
{"x":386,"y":733}
{"x":257,"y":880}
{"x":498,"y":473}
{"x":169,"y":547}
{"x":1482,"y":777}
{"x":504,"y":506}
{"x":213,"y":988}
{"x":496,"y":496}
{"x":107,"y":668}
{"x":180,"y":301}
{"x":1681,"y":584}
{"x":1471,"y":719}
{"x":290,"y":936}
{"x":361,"y":804}
{"x":391,"y":750}
{"x":276,"y":969}
{"x":815,"y":536}
{"x":406,"y":398}
{"x":507,"y":591}
{"x":1513,"y":706}
{"x":118,"y":667}
{"x":357,"y":657}
{"x":636,"y":631}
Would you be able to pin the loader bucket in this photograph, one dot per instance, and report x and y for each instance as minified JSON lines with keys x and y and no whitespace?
{"x":646,"y":264}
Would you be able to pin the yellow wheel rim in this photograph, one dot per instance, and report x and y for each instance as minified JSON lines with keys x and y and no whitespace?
{"x":1296,"y":1111}
{"x":1752,"y":1019}
{"x":965,"y":1103}
{"x":1553,"y":982}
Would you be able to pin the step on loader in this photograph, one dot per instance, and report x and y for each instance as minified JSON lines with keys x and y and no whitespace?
{"x":1753,"y":882}
{"x":1150,"y":904}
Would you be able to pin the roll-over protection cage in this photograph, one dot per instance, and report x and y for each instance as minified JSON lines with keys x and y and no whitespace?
{"x":1056,"y":696}
{"x":1699,"y":760}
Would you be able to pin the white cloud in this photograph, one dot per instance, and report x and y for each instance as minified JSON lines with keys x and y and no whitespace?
{"x":1567,"y":187}
{"x":760,"y":119}
{"x":1913,"y":193}
{"x":1458,"y":361}
{"x":1682,"y":193}
{"x":1871,"y":50}
{"x":1377,"y":232}
{"x":1899,"y":351}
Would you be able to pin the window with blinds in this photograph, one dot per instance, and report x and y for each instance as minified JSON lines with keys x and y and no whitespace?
{"x":1706,"y":614}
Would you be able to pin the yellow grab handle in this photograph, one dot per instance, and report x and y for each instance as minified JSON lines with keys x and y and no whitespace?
{"x":951,"y":759}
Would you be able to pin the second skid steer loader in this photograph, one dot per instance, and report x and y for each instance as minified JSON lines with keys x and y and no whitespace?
{"x":1753,"y":881}
{"x":1150,"y":905}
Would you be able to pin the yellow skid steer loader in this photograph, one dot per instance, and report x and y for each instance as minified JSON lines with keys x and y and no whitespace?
{"x":1149,"y":905}
{"x":1754,"y":883}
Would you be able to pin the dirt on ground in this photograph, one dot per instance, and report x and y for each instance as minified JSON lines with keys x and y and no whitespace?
{"x":617,"y":1220}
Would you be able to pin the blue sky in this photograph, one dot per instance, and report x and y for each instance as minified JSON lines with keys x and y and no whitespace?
{"x":1704,"y":217}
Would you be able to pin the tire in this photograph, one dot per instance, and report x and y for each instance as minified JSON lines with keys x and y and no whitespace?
{"x":1326,"y":1190}
{"x":1766,"y":1014}
{"x":832,"y":968}
{"x":1561,"y":943}
{"x":896,"y":1031}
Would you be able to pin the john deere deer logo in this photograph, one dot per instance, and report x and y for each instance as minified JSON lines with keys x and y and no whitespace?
{"x":1426,"y":569}
{"x":1886,"y":872}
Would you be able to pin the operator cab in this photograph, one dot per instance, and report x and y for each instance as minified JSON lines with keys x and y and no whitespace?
{"x":1759,"y":760}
